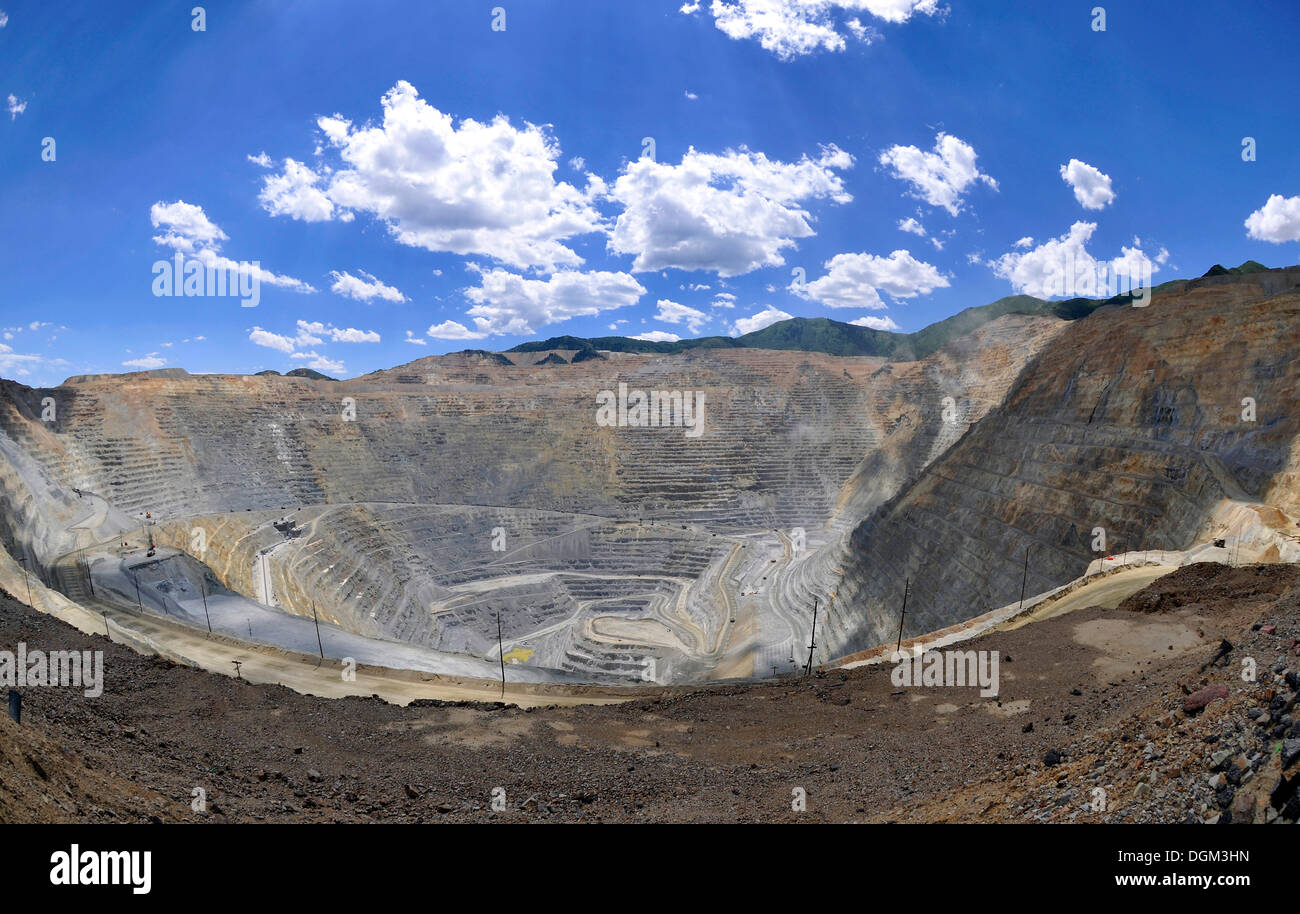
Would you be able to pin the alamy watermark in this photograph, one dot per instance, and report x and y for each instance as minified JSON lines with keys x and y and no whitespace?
{"x":81,"y":669}
{"x":194,"y":279}
{"x":651,"y":409}
{"x":946,"y":669}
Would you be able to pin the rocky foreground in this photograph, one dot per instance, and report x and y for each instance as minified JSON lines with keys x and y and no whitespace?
{"x":1133,"y":714}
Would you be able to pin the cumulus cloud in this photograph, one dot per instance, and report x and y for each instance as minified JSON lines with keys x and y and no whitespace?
{"x":364,"y":287}
{"x":261,"y":159}
{"x":16,"y":106}
{"x":466,"y":188}
{"x":270,"y":340}
{"x":453,"y":330}
{"x":1277,"y":221}
{"x":657,"y":336}
{"x":4,"y":19}
{"x":294,"y":193}
{"x":186,"y":228}
{"x":150,"y":361}
{"x":507,"y":303}
{"x":321,"y":363}
{"x":875,"y":323}
{"x":911,"y":225}
{"x":1064,"y":267}
{"x":1091,"y":187}
{"x":729,"y":213}
{"x":412,"y":338}
{"x":793,"y":28}
{"x":310,"y":333}
{"x":765,"y":318}
{"x":670,"y":312}
{"x":855,"y":280}
{"x":941,"y":177}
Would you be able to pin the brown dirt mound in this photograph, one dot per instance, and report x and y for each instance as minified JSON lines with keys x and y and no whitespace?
{"x":1209,"y":583}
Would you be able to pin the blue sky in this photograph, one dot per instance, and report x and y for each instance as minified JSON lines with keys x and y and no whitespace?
{"x":405,"y":172}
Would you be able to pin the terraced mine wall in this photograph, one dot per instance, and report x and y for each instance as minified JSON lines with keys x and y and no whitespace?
{"x":387,"y":489}
{"x":1132,"y":421}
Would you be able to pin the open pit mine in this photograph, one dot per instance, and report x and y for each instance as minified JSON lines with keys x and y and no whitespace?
{"x":471,"y":517}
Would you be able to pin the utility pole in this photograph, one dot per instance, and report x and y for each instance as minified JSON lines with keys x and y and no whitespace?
{"x":23,"y":559}
{"x":1023,"y":581}
{"x":501,"y":654}
{"x":203,"y":589}
{"x":812,"y":641}
{"x":907,"y":586}
{"x":319,"y":646}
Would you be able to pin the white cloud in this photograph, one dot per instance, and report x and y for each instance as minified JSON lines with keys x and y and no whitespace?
{"x":20,"y":365}
{"x":150,"y":361}
{"x":185,"y":225}
{"x":941,"y":177}
{"x":270,"y":340}
{"x":364,"y":288}
{"x":310,"y":333}
{"x":764,"y":318}
{"x":1025,"y":242}
{"x":16,"y":107}
{"x":855,"y":280}
{"x":4,"y":19}
{"x":261,"y":159}
{"x":670,"y":312}
{"x":294,"y":193}
{"x":412,"y":338}
{"x":1064,"y":267}
{"x":691,"y":96}
{"x":453,"y":330}
{"x":657,"y":336}
{"x":1091,"y":187}
{"x":1277,"y":221}
{"x":353,"y":335}
{"x":578,"y":163}
{"x":186,"y":228}
{"x":506,"y":303}
{"x":729,"y":213}
{"x":467,"y":188}
{"x":911,"y":225}
{"x":321,"y":363}
{"x":875,"y":323}
{"x":791,"y":28}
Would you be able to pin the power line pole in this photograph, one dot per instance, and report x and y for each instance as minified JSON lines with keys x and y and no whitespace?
{"x":501,"y":654}
{"x":203,"y":589}
{"x":907,"y":586}
{"x":23,"y":559}
{"x":319,"y":646}
{"x":812,"y":640}
{"x":1023,"y":581}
